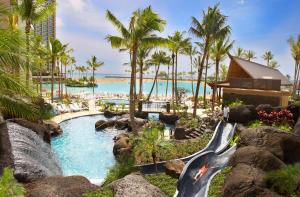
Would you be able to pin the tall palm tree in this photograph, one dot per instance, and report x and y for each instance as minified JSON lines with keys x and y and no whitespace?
{"x":168,"y":63}
{"x":239,"y":52}
{"x":212,"y":27}
{"x":249,"y":55}
{"x":295,"y":52}
{"x":223,"y":72}
{"x":142,"y":26}
{"x":219,"y":51}
{"x":157,"y":59}
{"x":39,"y":52}
{"x":191,"y":52}
{"x":93,"y":63}
{"x":31,"y":12}
{"x":143,"y":53}
{"x":268,"y":56}
{"x":177,"y":44}
{"x":55,"y":50}
{"x":67,"y":60}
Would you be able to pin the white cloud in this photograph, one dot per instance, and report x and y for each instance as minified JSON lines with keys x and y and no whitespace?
{"x":59,"y":22}
{"x":241,"y":2}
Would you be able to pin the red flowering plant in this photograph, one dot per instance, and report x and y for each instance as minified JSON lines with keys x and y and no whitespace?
{"x":275,"y":118}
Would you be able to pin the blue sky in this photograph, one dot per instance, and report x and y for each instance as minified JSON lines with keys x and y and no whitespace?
{"x":259,"y":25}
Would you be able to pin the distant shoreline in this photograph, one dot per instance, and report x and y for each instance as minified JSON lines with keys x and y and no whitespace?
{"x":127,"y":80}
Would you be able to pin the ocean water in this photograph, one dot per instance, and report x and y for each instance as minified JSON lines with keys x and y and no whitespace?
{"x":123,"y":88}
{"x":83,"y":151}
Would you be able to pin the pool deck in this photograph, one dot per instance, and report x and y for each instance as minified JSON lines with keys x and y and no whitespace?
{"x":67,"y":116}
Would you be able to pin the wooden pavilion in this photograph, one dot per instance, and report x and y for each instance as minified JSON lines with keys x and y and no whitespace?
{"x":254,"y":84}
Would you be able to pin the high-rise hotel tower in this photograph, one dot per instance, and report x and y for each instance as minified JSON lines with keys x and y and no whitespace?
{"x":47,"y":28}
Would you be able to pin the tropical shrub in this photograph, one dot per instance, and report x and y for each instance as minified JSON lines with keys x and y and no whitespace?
{"x":124,"y":166}
{"x":233,"y":103}
{"x":285,"y":181}
{"x":103,"y":192}
{"x":188,"y":122}
{"x":283,"y":117}
{"x":9,"y":187}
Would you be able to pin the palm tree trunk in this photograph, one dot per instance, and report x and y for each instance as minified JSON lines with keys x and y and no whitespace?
{"x":61,"y":81}
{"x":295,"y":79}
{"x":141,"y":80}
{"x":131,"y":92}
{"x":167,"y":81}
{"x":191,"y":59}
{"x":155,"y":78}
{"x":27,"y":70}
{"x":173,"y":83}
{"x":58,"y":75}
{"x":154,"y":82}
{"x":200,"y":69}
{"x":205,"y":81}
{"x":65,"y":79}
{"x":52,"y":78}
{"x":93,"y":82}
{"x":41,"y":88}
{"x":215,"y":87}
{"x":176,"y":90}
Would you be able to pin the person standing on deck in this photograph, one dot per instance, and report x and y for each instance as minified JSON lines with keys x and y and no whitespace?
{"x":226,"y":111}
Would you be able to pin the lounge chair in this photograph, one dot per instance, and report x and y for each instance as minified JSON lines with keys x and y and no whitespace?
{"x":65,"y":108}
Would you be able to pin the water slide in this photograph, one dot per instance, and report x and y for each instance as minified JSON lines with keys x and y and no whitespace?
{"x":218,"y":143}
{"x":216,"y":156}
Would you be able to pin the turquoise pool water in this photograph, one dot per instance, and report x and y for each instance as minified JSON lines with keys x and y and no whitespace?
{"x":83,"y":151}
{"x":123,"y":88}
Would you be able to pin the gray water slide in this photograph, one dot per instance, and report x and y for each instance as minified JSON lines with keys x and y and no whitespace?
{"x":216,"y":159}
{"x":219,"y":142}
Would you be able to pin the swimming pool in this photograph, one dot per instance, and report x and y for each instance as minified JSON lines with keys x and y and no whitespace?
{"x":83,"y":151}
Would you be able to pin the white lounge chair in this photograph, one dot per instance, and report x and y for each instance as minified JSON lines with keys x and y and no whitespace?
{"x":65,"y":108}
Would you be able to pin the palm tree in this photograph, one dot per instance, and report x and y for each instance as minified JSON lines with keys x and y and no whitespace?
{"x":249,"y":55}
{"x":218,"y":52}
{"x":39,"y":52}
{"x":191,"y":51}
{"x":94,"y":64}
{"x":143,"y":53}
{"x":268,"y":56}
{"x":168,"y":62}
{"x":55,"y":50}
{"x":177,"y":44}
{"x":213,"y":27}
{"x":157,"y":59}
{"x":274,"y":64}
{"x":239,"y":52}
{"x":223,"y":72}
{"x":15,"y":98}
{"x":66,"y":60}
{"x":295,"y":51}
{"x":142,"y":25}
{"x":31,"y":12}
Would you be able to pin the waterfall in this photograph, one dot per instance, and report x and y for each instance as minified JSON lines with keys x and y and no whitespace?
{"x":32,"y":157}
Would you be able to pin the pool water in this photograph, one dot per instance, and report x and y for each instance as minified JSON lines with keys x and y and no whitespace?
{"x":83,"y":151}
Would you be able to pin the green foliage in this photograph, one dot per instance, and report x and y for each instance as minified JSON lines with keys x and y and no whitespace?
{"x":103,"y":192}
{"x":233,"y":103}
{"x":234,"y":140}
{"x":283,"y":127}
{"x":123,"y":167}
{"x":255,"y":124}
{"x":217,"y":183}
{"x":285,"y":181}
{"x":188,"y":122}
{"x":9,"y":187}
{"x":166,"y":183}
{"x":151,"y":144}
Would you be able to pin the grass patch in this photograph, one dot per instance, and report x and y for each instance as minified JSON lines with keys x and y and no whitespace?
{"x":122,"y":168}
{"x":9,"y":187}
{"x":166,"y":183}
{"x":283,"y":127}
{"x":178,"y":149}
{"x":285,"y":181}
{"x":103,"y":192}
{"x":217,"y":183}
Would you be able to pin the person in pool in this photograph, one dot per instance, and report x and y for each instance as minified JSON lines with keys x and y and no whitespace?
{"x":201,"y":171}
